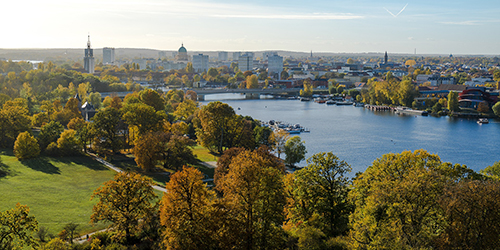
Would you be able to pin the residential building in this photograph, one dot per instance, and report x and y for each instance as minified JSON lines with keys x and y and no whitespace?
{"x":222,"y":56}
{"x":88,"y":60}
{"x":245,"y":62}
{"x":275,"y":66}
{"x":200,"y":63}
{"x":236,"y":56}
{"x":108,"y":56}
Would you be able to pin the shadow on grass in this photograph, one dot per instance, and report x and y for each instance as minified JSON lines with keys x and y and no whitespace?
{"x":41,"y":164}
{"x":83,"y":160}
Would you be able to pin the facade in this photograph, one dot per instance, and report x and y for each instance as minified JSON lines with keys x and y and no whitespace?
{"x":268,"y":54}
{"x":245,"y":62}
{"x":236,"y":56}
{"x":88,"y":60}
{"x":437,"y":80}
{"x":222,"y":56}
{"x":182,"y":54}
{"x":275,"y":66}
{"x":200,"y":63}
{"x":108,"y":56}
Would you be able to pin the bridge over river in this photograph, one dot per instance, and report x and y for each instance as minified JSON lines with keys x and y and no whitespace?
{"x":249,"y":93}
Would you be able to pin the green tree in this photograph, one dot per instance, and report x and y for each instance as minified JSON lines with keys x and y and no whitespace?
{"x":124,"y":202}
{"x":295,"y":150}
{"x":68,"y":143}
{"x":397,"y":201}
{"x":453,"y":101}
{"x":185,"y":212}
{"x":152,"y":98}
{"x":185,"y":109}
{"x":215,"y":120}
{"x":496,"y":109}
{"x":144,"y":117}
{"x":26,"y":146}
{"x":105,"y":129}
{"x":492,"y":171}
{"x":17,"y":227}
{"x":49,"y":133}
{"x":318,"y":195}
{"x":263,"y":136}
{"x":189,"y":68}
{"x":95,"y":99}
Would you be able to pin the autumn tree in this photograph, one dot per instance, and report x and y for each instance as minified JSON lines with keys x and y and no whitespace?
{"x":496,"y":109}
{"x":17,"y":227}
{"x":279,"y":137}
{"x":255,"y":192}
{"x":295,"y":150}
{"x":397,"y":200}
{"x":144,"y":117}
{"x":185,"y":109}
{"x":49,"y":133}
{"x":152,"y":98}
{"x":69,"y":144}
{"x":26,"y":146}
{"x":317,"y":195}
{"x":105,"y":129}
{"x":263,"y":136}
{"x":124,"y":202}
{"x":14,"y":120}
{"x":185,"y":212}
{"x":252,"y":82}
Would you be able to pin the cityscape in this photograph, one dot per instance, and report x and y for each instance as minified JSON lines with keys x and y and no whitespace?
{"x":216,"y":124}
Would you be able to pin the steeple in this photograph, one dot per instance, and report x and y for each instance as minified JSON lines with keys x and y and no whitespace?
{"x":88,"y":60}
{"x":88,"y":43}
{"x":385,"y":58}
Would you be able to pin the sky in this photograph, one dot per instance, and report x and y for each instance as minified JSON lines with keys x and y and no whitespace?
{"x":352,"y":26}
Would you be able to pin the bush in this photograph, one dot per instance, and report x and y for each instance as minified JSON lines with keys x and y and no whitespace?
{"x":26,"y":146}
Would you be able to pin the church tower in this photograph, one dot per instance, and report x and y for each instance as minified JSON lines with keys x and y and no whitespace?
{"x":385,"y":58}
{"x":88,"y":60}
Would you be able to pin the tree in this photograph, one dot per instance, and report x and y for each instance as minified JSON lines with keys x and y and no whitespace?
{"x":453,"y":101}
{"x":254,"y":192}
{"x":185,"y":109}
{"x":95,"y":99}
{"x":318,"y":195}
{"x":279,"y":137}
{"x":49,"y":133}
{"x":144,"y":117}
{"x":215,"y":120}
{"x":14,"y":119}
{"x":295,"y":150}
{"x":26,"y":146}
{"x":492,"y":171}
{"x":17,"y":227}
{"x":252,"y":82}
{"x":68,"y":143}
{"x":263,"y":136}
{"x":496,"y":109}
{"x":105,"y":129}
{"x":70,"y":229}
{"x":189,"y":68}
{"x":185,"y":212}
{"x":483,"y":107}
{"x":397,"y":200}
{"x":152,"y":98}
{"x":350,"y":61}
{"x":124,"y":202}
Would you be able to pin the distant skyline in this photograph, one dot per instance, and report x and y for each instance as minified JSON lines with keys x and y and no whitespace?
{"x":356,"y":26}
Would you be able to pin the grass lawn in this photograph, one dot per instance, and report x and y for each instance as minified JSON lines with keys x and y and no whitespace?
{"x":57,"y":190}
{"x":203,"y":154}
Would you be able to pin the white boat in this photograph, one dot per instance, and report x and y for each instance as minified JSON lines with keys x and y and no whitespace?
{"x":483,"y":121}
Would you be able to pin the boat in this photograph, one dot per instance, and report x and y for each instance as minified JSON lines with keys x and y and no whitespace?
{"x":409,"y":111}
{"x":344,"y":103}
{"x":330,"y":102}
{"x":305,"y":99}
{"x":358,"y":104}
{"x":483,"y":121}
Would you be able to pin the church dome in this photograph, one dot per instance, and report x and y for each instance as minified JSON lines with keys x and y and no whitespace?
{"x":182,"y":49}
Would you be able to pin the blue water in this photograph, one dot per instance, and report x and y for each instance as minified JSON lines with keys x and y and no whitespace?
{"x":359,"y":136}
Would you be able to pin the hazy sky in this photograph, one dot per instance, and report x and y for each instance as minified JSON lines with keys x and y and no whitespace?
{"x":437,"y":26}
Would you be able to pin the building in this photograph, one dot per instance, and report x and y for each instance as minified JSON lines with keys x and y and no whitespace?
{"x":268,"y":54}
{"x":437,"y":80}
{"x":274,"y":66}
{"x":88,"y":60}
{"x":182,"y":54}
{"x":236,"y":56}
{"x":245,"y":62}
{"x":223,"y":56}
{"x":200,"y":63}
{"x":108,"y":56}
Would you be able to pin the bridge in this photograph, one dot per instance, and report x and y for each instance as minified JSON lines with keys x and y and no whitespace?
{"x":249,"y":93}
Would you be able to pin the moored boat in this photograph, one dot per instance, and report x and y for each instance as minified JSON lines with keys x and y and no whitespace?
{"x":483,"y":121}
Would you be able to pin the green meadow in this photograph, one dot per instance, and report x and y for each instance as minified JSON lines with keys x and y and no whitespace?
{"x":57,"y":190}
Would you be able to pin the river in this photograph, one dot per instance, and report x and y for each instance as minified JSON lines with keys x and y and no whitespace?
{"x":359,"y":136}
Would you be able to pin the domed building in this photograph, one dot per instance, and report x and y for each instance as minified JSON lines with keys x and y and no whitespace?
{"x":182,"y":54}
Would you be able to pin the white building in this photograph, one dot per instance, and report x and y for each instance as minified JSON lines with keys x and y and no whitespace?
{"x":108,"y":56}
{"x":200,"y":63}
{"x":236,"y":56}
{"x":274,"y":65}
{"x":245,"y":62}
{"x":222,"y":56}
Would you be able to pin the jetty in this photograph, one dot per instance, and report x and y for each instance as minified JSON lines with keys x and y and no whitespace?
{"x":378,"y":107}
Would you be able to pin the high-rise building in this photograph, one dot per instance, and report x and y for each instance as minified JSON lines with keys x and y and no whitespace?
{"x":236,"y":56}
{"x":268,"y":54}
{"x":108,"y":56}
{"x":275,"y":66}
{"x":245,"y":62}
{"x":88,"y":60}
{"x":222,"y":56}
{"x":200,"y":63}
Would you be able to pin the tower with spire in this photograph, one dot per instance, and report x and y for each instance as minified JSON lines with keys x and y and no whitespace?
{"x":385,"y":58}
{"x":88,"y":60}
